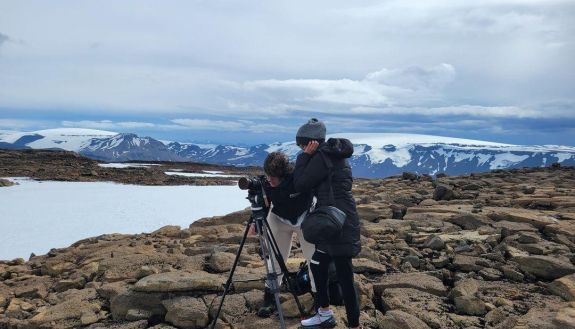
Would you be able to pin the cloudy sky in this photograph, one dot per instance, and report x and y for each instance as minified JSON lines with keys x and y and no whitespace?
{"x":253,"y":71}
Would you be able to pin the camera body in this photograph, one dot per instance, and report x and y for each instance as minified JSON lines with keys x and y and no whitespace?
{"x":252,"y":183}
{"x":256,"y":195}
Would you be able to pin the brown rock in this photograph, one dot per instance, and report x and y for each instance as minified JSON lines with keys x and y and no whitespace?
{"x":56,"y":268}
{"x":563,"y":287}
{"x":545,"y":267}
{"x":364,"y":265}
{"x":186,"y":312}
{"x":470,"y":305}
{"x":495,"y":316}
{"x":290,"y":308}
{"x":465,"y":287}
{"x":444,"y":192}
{"x":171,"y":231}
{"x":427,"y":307}
{"x":510,"y":228}
{"x":532,"y":217}
{"x":221,"y":261}
{"x":466,"y":263}
{"x":419,"y":281}
{"x":68,"y":314}
{"x":128,"y":300}
{"x":180,"y":281}
{"x":469,"y":221}
{"x":18,"y":308}
{"x":401,"y":320}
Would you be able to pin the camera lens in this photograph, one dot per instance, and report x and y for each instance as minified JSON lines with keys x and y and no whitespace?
{"x":244,"y":183}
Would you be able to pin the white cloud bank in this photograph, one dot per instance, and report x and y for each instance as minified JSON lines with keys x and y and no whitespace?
{"x":245,"y":60}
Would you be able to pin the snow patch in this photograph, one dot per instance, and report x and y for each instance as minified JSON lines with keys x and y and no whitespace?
{"x":505,"y":160}
{"x":43,"y":215}
{"x":204,"y":174}
{"x":126,"y":165}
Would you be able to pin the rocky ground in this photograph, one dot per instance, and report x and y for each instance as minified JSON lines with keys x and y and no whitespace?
{"x":70,"y":166}
{"x":493,"y":250}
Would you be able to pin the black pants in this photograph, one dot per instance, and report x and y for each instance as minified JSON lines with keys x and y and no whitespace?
{"x":344,"y":269}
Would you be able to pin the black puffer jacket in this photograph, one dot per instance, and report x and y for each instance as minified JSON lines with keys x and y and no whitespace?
{"x":288,"y":204}
{"x":311,"y":173}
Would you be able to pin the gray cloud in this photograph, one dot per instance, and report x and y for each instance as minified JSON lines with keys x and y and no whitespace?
{"x":108,"y":124}
{"x":3,"y":39}
{"x":232,"y":125}
{"x":230,"y":61}
{"x":386,"y":87}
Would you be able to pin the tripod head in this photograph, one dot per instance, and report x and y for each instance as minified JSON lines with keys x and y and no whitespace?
{"x":256,"y":195}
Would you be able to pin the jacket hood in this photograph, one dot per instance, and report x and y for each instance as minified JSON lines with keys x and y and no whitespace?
{"x":338,"y":147}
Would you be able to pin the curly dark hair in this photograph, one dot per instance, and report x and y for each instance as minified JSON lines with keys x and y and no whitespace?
{"x":277,"y":165}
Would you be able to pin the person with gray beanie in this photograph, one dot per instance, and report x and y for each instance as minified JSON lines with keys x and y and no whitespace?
{"x":312,"y":130}
{"x":312,"y":173}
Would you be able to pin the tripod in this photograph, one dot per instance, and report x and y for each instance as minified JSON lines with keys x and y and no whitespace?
{"x":268,"y":246}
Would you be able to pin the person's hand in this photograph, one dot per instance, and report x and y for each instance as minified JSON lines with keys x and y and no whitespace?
{"x":311,"y":147}
{"x":252,"y":230}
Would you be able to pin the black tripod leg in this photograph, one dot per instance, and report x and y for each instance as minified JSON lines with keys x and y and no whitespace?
{"x":230,"y":277}
{"x":283,"y":267}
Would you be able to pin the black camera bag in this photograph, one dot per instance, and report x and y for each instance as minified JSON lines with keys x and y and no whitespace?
{"x":324,"y":223}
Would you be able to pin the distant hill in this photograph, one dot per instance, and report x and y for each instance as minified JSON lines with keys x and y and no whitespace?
{"x":375,"y":155}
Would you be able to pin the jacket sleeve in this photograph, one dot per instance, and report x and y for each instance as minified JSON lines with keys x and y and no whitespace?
{"x":309,"y":171}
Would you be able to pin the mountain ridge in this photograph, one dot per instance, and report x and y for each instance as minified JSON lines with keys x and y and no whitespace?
{"x":375,"y":154}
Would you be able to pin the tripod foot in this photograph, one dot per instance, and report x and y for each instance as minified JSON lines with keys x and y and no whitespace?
{"x":269,"y":306}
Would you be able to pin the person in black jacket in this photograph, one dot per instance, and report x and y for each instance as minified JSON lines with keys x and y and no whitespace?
{"x":311,"y":174}
{"x":287,"y":211}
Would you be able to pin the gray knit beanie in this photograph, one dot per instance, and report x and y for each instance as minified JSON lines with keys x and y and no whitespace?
{"x":312,"y":130}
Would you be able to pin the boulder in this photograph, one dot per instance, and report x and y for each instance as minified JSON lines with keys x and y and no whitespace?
{"x":171,"y":231}
{"x":532,"y":217}
{"x":151,"y":303}
{"x":420,"y":281}
{"x":467,"y":263}
{"x":401,"y":320}
{"x":470,"y":305}
{"x":511,"y":228}
{"x":465,"y":287}
{"x":490,"y":274}
{"x":427,"y":307}
{"x":221,"y":262}
{"x":364,"y":265}
{"x":564,"y":287}
{"x":434,"y":242}
{"x":79,"y":308}
{"x":56,"y":267}
{"x":563,"y":227}
{"x":545,"y":267}
{"x":549,"y":316}
{"x":111,"y":290}
{"x":289,"y":307}
{"x":444,"y":192}
{"x":137,"y":314}
{"x":18,"y":309}
{"x":186,"y":312}
{"x":469,"y":221}
{"x":180,"y":281}
{"x":233,"y":309}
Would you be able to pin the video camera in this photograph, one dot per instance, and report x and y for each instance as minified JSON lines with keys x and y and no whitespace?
{"x":252,"y":183}
{"x":256,"y":193}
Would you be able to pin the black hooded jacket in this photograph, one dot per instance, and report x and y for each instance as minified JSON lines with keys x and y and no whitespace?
{"x":311,"y":173}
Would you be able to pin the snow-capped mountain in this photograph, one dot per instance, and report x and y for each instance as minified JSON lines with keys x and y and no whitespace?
{"x":375,"y":155}
{"x":125,"y":147}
